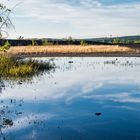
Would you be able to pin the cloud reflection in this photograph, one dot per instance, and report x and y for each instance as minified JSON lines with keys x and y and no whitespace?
{"x":26,"y":121}
{"x":81,"y":79}
{"x":73,"y":95}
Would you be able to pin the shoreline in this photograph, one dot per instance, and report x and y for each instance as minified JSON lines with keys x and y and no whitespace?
{"x":77,"y":55}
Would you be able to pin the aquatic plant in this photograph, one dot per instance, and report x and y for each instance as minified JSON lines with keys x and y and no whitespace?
{"x":17,"y":67}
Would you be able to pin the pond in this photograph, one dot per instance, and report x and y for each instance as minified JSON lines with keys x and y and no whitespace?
{"x":83,"y":99}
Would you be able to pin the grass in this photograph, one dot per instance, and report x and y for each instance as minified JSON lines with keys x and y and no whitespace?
{"x":18,"y":68}
{"x":69,"y":49}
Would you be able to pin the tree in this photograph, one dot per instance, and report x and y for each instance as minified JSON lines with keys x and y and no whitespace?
{"x":5,"y":21}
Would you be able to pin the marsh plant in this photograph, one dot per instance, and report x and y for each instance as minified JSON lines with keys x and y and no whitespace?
{"x":12,"y":67}
{"x":5,"y":47}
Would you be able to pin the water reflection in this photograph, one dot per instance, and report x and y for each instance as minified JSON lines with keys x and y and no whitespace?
{"x":86,"y":98}
{"x":1,"y":85}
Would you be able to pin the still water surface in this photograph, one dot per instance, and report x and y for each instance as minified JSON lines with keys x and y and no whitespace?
{"x":83,"y":99}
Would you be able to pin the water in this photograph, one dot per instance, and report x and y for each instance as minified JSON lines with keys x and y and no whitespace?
{"x":84,"y":99}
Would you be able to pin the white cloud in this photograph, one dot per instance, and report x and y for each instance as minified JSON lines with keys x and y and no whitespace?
{"x":91,"y":3}
{"x":87,"y":18}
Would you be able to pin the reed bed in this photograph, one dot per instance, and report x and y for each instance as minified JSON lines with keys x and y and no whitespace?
{"x":69,"y":49}
{"x":15,"y":67}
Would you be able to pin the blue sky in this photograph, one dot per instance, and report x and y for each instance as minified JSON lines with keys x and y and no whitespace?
{"x":76,"y":18}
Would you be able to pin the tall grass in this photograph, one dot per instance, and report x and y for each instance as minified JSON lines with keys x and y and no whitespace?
{"x":15,"y":67}
{"x":70,"y":49}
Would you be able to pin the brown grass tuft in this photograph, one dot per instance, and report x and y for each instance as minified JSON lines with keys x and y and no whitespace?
{"x":69,"y":49}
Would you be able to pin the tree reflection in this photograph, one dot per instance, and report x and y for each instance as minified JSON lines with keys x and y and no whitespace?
{"x":1,"y":85}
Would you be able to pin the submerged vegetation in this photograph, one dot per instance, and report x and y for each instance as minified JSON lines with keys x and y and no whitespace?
{"x":12,"y":67}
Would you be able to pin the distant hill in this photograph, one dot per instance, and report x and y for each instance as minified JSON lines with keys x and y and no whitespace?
{"x":109,"y":39}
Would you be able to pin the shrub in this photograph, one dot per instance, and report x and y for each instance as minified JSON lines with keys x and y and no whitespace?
{"x":5,"y":47}
{"x":34,"y":43}
{"x":83,"y":43}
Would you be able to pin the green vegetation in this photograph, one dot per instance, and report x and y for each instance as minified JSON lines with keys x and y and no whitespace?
{"x":5,"y":47}
{"x":123,"y":41}
{"x":116,"y":41}
{"x":19,"y":68}
{"x":137,"y":41}
{"x":34,"y":43}
{"x":83,"y":43}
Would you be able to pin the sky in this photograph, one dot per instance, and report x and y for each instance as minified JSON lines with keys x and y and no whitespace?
{"x":76,"y":18}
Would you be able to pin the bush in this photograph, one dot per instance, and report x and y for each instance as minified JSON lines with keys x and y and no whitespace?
{"x":83,"y":43}
{"x":34,"y":43}
{"x":5,"y":47}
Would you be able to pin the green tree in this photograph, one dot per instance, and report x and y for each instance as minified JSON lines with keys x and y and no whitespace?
{"x":5,"y":21}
